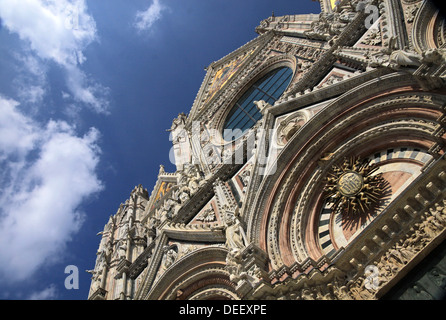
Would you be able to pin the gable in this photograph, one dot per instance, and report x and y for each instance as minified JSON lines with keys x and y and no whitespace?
{"x":220,"y":74}
{"x":224,"y":73}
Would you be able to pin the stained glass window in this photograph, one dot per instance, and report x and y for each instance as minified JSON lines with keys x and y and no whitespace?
{"x":245,"y":113}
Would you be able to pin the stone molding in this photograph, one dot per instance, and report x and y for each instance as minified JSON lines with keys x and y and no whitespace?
{"x":409,"y":229}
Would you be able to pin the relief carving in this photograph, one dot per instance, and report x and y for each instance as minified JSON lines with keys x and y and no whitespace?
{"x":402,"y":252}
{"x":170,"y":256}
{"x":207,"y":216}
{"x":289,"y":126}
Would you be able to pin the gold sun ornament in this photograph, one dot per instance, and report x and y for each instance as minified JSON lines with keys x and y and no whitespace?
{"x":354,"y":187}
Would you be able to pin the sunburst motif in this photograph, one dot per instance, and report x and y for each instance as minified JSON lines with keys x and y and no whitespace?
{"x":353,"y":187}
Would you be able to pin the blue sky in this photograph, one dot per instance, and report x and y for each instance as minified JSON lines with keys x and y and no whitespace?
{"x":87,"y":91}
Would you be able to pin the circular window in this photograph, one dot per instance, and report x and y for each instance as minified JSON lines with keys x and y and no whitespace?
{"x":245,"y":113}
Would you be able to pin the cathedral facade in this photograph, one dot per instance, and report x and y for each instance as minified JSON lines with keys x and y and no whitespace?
{"x":310,"y":166}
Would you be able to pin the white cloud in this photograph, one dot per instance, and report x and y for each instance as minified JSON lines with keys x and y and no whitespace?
{"x":85,"y":90}
{"x":49,"y":293}
{"x":145,"y":19}
{"x":31,"y":93}
{"x":17,"y":132}
{"x":47,"y":169}
{"x":47,"y":172}
{"x":57,"y":31}
{"x":31,"y":80}
{"x":48,"y":27}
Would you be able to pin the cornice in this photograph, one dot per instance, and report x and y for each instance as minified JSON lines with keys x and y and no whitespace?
{"x":312,"y":96}
{"x":202,"y":233}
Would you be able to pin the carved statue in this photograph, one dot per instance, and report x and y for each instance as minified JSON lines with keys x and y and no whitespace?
{"x":306,"y":294}
{"x":96,"y":279}
{"x":171,"y":255}
{"x":438,"y":218}
{"x":140,"y":230}
{"x":108,"y":250}
{"x":261,"y":105}
{"x":396,"y":256}
{"x":184,"y":195}
{"x":340,"y":291}
{"x":289,"y":127}
{"x":415,"y":240}
{"x":191,"y":177}
{"x":179,"y":121}
{"x":320,"y":28}
{"x":234,"y":267}
{"x":151,"y":230}
{"x":235,"y":235}
{"x":405,"y":253}
{"x":429,"y":228}
{"x":245,"y":176}
{"x":208,"y":215}
{"x":320,"y":294}
{"x":404,"y":58}
{"x":169,"y":208}
{"x":122,"y":249}
{"x":396,"y":58}
{"x":124,"y":232}
{"x":359,"y":292}
{"x":100,"y":265}
{"x":434,"y":56}
{"x":235,"y":243}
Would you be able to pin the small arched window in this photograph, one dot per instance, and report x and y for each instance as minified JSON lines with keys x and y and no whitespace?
{"x":245,"y":113}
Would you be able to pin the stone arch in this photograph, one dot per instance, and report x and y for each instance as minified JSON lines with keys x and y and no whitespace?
{"x":385,"y":112}
{"x":199,"y":275}
{"x":429,"y":28}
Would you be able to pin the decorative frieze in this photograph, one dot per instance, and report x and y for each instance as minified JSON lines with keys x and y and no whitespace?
{"x":401,"y":250}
